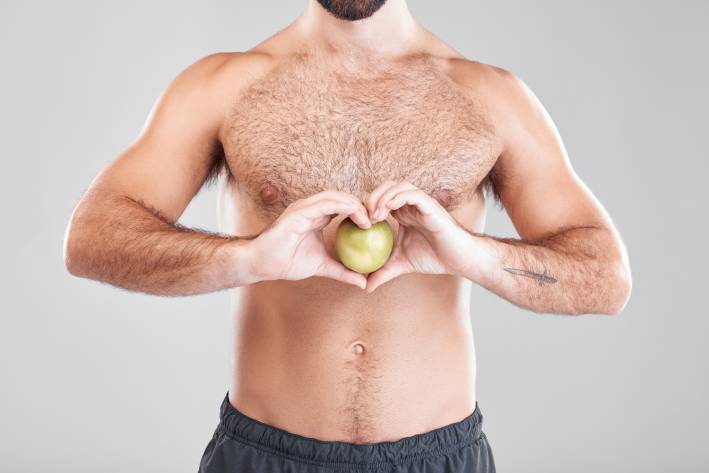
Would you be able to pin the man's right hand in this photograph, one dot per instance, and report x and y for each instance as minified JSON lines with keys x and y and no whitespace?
{"x":292,"y":247}
{"x":123,"y":231}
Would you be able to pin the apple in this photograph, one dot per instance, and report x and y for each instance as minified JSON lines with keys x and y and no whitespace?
{"x":364,"y":250}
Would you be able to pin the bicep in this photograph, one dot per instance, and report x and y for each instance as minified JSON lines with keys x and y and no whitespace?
{"x":168,"y":163}
{"x":537,"y":184}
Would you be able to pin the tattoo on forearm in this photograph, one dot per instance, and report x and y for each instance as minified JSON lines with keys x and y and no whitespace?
{"x":540,"y":278}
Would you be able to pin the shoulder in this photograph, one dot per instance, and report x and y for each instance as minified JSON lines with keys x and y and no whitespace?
{"x":235,"y":68}
{"x":206,"y":88}
{"x":499,"y":84}
{"x":507,"y":98}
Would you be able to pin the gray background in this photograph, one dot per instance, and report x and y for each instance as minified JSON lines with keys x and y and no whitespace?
{"x":98,"y":379}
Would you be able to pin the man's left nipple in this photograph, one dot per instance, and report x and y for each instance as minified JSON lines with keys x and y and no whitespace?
{"x":443,"y":196}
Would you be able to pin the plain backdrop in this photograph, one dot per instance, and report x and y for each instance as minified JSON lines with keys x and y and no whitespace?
{"x":93,"y":378}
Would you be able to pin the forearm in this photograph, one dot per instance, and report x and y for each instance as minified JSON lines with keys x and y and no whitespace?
{"x":580,"y":270}
{"x":117,"y":240}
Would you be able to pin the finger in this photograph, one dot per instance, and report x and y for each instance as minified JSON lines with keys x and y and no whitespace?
{"x":381,"y":211}
{"x":320,"y":223}
{"x":315,"y":216}
{"x":327,"y":208}
{"x":332,"y":195}
{"x":355,"y":211}
{"x":335,"y":270}
{"x":392,"y":269}
{"x":359,"y":216}
{"x":417,"y":198}
{"x":372,"y":199}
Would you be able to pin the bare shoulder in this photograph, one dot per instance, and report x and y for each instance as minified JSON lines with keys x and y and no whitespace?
{"x":205,"y":89}
{"x":508,"y":99}
{"x":495,"y":82}
{"x":236,"y":69}
{"x":484,"y":81}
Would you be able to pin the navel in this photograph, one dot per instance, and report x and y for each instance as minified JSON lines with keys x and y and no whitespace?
{"x":268,"y":193}
{"x":358,"y":349}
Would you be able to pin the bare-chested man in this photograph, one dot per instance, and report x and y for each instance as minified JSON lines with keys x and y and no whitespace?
{"x":352,"y":110}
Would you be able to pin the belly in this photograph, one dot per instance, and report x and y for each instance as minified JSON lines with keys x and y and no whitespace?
{"x":328,"y":361}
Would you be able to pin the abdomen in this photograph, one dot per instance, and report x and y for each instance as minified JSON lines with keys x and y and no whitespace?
{"x":327,"y":361}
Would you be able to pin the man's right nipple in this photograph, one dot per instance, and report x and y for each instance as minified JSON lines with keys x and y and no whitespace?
{"x":268,"y":193}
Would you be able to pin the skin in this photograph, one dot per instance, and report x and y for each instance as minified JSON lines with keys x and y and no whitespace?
{"x":373,"y":120}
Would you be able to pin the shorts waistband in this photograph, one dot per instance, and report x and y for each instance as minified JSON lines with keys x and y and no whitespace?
{"x":442,"y":440}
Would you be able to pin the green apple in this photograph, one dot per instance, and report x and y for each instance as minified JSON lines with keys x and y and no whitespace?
{"x":364,"y":250}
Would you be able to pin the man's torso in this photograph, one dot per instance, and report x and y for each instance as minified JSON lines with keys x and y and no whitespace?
{"x":311,"y":123}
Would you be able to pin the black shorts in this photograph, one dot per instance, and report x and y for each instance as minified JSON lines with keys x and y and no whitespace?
{"x":244,"y":445}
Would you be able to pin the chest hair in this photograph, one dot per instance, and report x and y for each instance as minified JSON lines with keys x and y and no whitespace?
{"x":307,"y":127}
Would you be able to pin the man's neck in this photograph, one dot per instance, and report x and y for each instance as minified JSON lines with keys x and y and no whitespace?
{"x":390,"y":31}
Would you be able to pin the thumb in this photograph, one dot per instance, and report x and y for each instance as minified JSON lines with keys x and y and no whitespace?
{"x":332,"y":269}
{"x":393,"y":268}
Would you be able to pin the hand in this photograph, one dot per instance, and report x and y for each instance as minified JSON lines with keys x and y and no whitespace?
{"x":292,"y":246}
{"x":429,"y":240}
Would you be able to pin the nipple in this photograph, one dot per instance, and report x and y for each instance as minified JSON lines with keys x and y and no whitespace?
{"x":443,"y":196}
{"x":268,"y":193}
{"x":358,"y":348}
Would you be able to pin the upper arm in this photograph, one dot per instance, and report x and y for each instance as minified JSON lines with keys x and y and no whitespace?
{"x":534,"y":177}
{"x":171,"y":158}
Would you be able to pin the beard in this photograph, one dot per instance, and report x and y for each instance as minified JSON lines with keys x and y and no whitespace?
{"x":352,"y":10}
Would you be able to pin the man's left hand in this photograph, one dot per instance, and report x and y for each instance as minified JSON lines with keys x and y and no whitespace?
{"x":429,"y":240}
